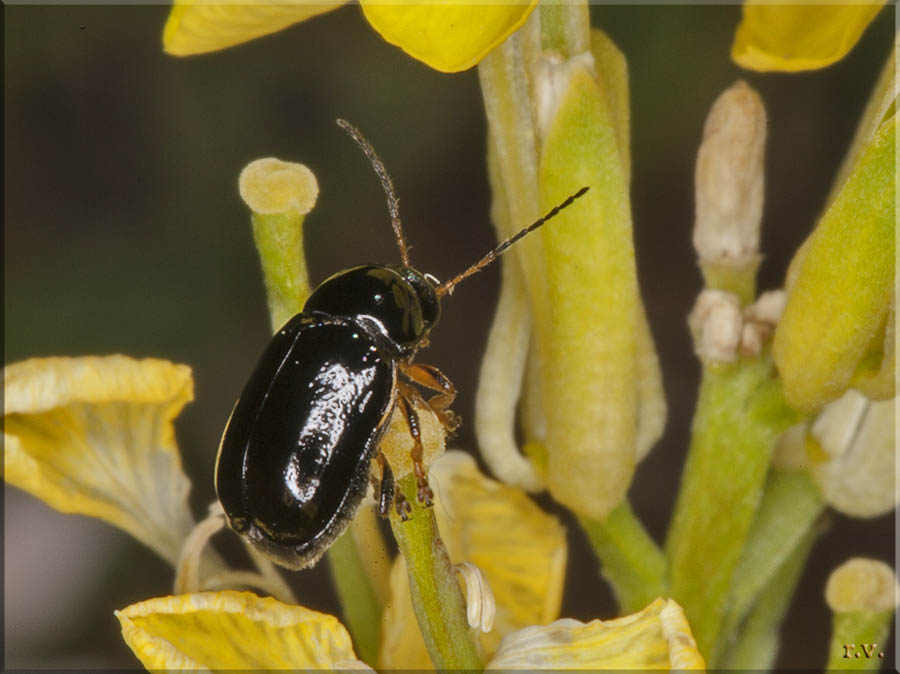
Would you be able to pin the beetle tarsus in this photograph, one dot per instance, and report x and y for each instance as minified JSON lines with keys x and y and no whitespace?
{"x":385,"y":488}
{"x":401,"y":505}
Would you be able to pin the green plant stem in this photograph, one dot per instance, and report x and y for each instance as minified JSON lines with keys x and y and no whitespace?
{"x":437,"y":599}
{"x":786,"y":519}
{"x":279,"y":242}
{"x":860,"y":631}
{"x":740,"y":412}
{"x":630,"y":560}
{"x":361,"y":608}
{"x":757,"y":641}
{"x":739,"y":279}
{"x":565,"y":27}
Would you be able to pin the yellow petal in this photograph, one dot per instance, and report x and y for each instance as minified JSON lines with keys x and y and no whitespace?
{"x":520,"y":550}
{"x":446,"y":35}
{"x":234,"y":630}
{"x":94,"y":436}
{"x":798,"y":37}
{"x":658,"y":637}
{"x":199,"y":26}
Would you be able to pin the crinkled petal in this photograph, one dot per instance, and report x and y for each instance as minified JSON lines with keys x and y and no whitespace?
{"x":446,"y":35}
{"x":777,"y":36}
{"x":94,"y":436}
{"x":200,"y":26}
{"x":520,"y":550}
{"x":234,"y":630}
{"x":657,"y":637}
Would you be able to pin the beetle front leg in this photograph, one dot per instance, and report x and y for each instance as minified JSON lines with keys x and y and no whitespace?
{"x":433,"y":379}
{"x":406,"y":401}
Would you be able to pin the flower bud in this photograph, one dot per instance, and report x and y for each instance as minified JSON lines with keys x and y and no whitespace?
{"x":716,"y":324}
{"x":834,"y":331}
{"x":729,"y":186}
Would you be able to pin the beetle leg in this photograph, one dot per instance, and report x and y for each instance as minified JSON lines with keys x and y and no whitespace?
{"x":385,"y":488}
{"x":408,"y":396}
{"x":401,"y":505}
{"x":433,"y":379}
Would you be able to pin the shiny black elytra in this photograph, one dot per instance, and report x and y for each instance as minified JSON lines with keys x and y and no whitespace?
{"x":295,"y":457}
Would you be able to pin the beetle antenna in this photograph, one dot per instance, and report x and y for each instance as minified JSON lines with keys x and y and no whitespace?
{"x":446,"y":288}
{"x":393,"y":204}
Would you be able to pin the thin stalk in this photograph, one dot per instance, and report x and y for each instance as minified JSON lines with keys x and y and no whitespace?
{"x":757,"y":642}
{"x":565,"y":28}
{"x":629,"y":559}
{"x":859,"y":640}
{"x":438,"y":601}
{"x":740,"y":412}
{"x":361,"y":607}
{"x":790,"y":508}
{"x":279,"y":242}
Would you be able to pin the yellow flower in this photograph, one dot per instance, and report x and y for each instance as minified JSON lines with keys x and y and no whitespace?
{"x":797,"y":37}
{"x":238,"y":630}
{"x":448,"y":36}
{"x":94,"y":436}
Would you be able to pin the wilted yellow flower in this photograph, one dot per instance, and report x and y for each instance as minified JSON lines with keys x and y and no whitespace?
{"x":94,"y":436}
{"x":448,"y":36}
{"x":238,"y":630}
{"x":234,"y":630}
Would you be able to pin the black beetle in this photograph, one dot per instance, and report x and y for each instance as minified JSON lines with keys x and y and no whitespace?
{"x":295,"y":457}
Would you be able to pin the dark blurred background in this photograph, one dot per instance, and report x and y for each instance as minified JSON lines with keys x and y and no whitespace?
{"x":125,"y":233}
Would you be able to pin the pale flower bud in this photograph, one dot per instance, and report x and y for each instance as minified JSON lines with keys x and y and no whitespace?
{"x":729,"y":179}
{"x":760,"y":319}
{"x":715,"y":322}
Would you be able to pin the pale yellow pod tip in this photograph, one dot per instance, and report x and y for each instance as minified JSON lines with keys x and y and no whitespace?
{"x":271,"y":186}
{"x":861,"y":584}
